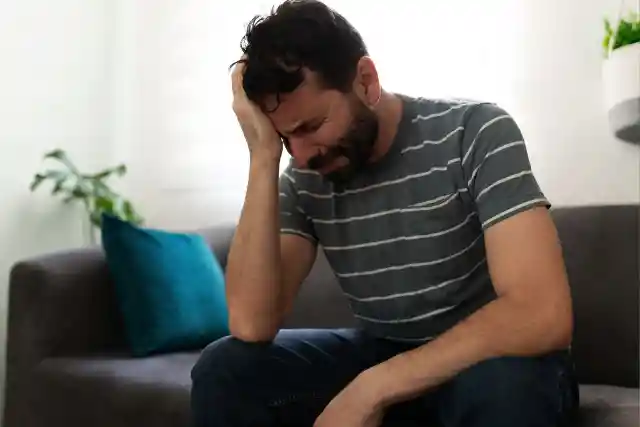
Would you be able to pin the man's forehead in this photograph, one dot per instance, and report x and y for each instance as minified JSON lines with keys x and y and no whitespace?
{"x":305,"y":103}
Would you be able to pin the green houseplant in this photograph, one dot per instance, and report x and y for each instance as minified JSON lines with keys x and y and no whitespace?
{"x":92,"y":190}
{"x":620,"y":73}
{"x":626,"y":32}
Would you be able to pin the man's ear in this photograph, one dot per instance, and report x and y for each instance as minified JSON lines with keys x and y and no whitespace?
{"x":367,"y":85}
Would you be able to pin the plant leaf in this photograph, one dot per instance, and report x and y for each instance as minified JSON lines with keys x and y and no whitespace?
{"x":96,"y":218}
{"x":58,"y":187}
{"x":91,"y":189}
{"x":105,"y":204}
{"x":62,"y":157}
{"x":130,"y":213}
{"x":626,"y":33}
{"x":79,"y":193}
{"x":119,"y":170}
{"x":37,"y":180}
{"x":59,"y":178}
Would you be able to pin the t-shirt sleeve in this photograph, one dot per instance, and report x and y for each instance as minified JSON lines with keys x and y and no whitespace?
{"x":293,"y":219}
{"x":496,"y":166}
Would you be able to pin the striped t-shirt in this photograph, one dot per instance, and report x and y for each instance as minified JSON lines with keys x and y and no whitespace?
{"x":405,"y":238}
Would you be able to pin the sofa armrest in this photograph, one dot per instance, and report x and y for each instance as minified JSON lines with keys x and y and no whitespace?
{"x":61,"y":304}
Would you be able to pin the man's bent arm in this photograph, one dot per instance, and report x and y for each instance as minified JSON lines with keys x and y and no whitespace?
{"x":531,"y":315}
{"x":260,"y":286}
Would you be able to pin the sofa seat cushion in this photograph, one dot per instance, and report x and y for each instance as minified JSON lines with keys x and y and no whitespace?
{"x":118,"y":390}
{"x":124,"y":391}
{"x":608,"y":406}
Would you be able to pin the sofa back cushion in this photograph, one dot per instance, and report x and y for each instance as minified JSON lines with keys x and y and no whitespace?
{"x":600,"y":245}
{"x":320,"y":303}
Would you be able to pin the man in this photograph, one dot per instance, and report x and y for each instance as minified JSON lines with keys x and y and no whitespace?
{"x":435,"y":226}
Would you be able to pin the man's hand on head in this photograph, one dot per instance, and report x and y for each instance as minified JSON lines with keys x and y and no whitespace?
{"x":261,"y":136}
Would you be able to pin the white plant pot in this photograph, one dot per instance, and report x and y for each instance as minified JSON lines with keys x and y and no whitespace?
{"x":621,"y":80}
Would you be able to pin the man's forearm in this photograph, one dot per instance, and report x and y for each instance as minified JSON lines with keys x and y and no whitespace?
{"x":503,"y":327}
{"x":253,"y":268}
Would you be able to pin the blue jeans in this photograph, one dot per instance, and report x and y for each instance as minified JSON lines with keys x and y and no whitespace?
{"x":289,"y":381}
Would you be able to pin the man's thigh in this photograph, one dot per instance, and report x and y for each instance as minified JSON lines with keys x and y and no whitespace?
{"x":285,"y":382}
{"x":509,"y":391}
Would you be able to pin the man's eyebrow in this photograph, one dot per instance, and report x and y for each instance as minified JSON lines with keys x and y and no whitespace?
{"x":295,"y":127}
{"x":302,"y":124}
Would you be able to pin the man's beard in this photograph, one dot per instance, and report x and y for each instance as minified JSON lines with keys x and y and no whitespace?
{"x":356,"y":146}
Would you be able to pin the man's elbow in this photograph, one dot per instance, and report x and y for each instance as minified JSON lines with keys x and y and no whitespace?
{"x":558,"y":326}
{"x":251,"y":331}
{"x":565,"y":330}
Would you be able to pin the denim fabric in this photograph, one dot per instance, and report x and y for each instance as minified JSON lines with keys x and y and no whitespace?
{"x":289,"y":381}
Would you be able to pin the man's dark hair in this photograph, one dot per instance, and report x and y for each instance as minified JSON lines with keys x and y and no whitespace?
{"x":299,"y":34}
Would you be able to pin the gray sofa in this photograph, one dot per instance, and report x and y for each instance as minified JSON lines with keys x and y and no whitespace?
{"x":68,"y":364}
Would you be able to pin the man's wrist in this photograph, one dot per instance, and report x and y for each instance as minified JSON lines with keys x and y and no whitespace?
{"x":392,"y":382}
{"x":377,"y":384}
{"x":265,"y":162}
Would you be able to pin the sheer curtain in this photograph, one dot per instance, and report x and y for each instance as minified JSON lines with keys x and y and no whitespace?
{"x":188,"y":159}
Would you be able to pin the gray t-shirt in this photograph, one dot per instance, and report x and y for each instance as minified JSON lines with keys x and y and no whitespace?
{"x":405,"y":239}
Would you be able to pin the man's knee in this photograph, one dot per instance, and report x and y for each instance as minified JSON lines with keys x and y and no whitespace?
{"x":224,"y":359}
{"x":503,"y":378}
{"x":220,"y":375}
{"x":506,"y":389}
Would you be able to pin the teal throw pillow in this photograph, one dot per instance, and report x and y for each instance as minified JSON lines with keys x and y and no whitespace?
{"x":169,"y":287}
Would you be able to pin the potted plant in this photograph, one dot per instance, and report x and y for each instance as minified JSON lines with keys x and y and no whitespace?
{"x":621,"y":74}
{"x":90,"y":189}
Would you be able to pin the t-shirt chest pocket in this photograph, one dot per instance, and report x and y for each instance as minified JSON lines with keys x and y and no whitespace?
{"x":433,"y":215}
{"x":389,"y":229}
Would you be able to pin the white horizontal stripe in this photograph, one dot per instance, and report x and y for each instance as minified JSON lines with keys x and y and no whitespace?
{"x":419,"y":291}
{"x":416,"y":207}
{"x":284,"y":213}
{"x":440,"y":113}
{"x":491,"y":153}
{"x":515,"y":208}
{"x":412,"y":265}
{"x":410,"y":319}
{"x":380,"y":184}
{"x":401,"y":238}
{"x":427,"y":142}
{"x":502,"y":181}
{"x":286,"y":175}
{"x":305,"y":171}
{"x":447,"y":101}
{"x":486,"y":125}
{"x":282,"y":195}
{"x":298,"y":232}
{"x":449,"y":198}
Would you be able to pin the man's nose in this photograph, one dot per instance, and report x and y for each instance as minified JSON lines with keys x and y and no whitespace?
{"x":301,"y":151}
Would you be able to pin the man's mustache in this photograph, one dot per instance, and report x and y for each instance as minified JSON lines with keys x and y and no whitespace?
{"x":323,"y":159}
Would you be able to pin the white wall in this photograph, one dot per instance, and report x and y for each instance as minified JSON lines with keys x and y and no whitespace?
{"x":558,"y":98}
{"x":55,"y":89}
{"x":540,"y":59}
{"x":188,"y":158}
